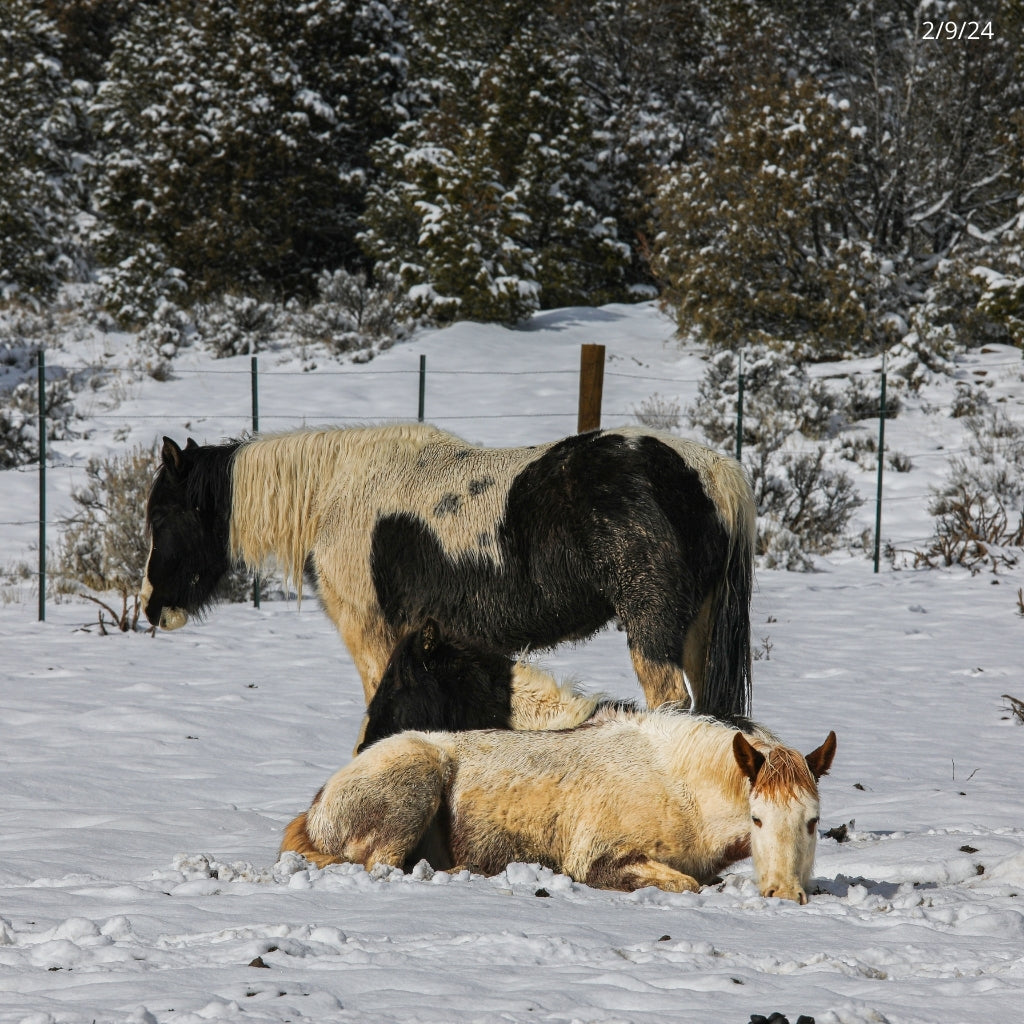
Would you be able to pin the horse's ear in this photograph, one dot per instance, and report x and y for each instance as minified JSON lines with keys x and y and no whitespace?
{"x":171,"y":454}
{"x":747,"y":757}
{"x":820,"y":760}
{"x":430,"y":635}
{"x":190,"y":444}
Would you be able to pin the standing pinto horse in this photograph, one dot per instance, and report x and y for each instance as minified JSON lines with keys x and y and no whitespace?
{"x":515,"y":548}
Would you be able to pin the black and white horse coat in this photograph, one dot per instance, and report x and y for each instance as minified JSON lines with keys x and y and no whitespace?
{"x":516,"y":548}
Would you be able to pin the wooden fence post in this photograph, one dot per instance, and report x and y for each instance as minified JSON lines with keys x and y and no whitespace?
{"x":254,"y":389}
{"x":591,"y":387}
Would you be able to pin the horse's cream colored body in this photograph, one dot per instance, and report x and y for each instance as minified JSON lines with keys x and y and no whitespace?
{"x":627,"y":800}
{"x":339,"y":483}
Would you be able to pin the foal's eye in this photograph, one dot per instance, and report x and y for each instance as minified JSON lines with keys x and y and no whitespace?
{"x":756,"y":821}
{"x":811,"y":826}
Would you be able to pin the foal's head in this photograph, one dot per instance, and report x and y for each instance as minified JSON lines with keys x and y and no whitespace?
{"x":783,"y":813}
{"x":435,"y":681}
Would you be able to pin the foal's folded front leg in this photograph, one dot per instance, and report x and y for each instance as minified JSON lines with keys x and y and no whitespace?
{"x":631,"y":871}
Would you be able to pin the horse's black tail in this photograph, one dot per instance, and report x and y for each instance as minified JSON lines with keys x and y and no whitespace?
{"x":727,"y":675}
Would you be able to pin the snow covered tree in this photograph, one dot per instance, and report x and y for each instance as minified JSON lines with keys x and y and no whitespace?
{"x":88,"y":28}
{"x":755,"y":239}
{"x":40,"y":133}
{"x":489,"y":201}
{"x":643,"y":66}
{"x":440,"y":218}
{"x":236,"y":139}
{"x":938,"y":173}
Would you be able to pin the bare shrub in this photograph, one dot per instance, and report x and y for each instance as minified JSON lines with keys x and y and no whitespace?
{"x":974,"y":530}
{"x":15,"y":579}
{"x":1015,"y":708}
{"x":968,"y":400}
{"x":103,"y":546}
{"x":659,"y":413}
{"x":353,"y":313}
{"x":803,"y":504}
{"x":19,"y":420}
{"x":166,"y":332}
{"x":236,"y":325}
{"x":978,"y":519}
{"x":776,"y":389}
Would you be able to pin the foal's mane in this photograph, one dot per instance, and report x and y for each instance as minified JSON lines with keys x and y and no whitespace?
{"x":784,"y":774}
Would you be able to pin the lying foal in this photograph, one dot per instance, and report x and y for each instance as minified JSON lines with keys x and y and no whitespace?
{"x":627,"y":799}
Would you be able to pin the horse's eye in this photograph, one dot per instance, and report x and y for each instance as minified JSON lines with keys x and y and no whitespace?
{"x":195,"y":579}
{"x":811,"y":826}
{"x":756,"y":821}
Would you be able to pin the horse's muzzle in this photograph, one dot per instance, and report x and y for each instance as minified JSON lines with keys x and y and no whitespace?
{"x":165,"y":618}
{"x":172,"y":618}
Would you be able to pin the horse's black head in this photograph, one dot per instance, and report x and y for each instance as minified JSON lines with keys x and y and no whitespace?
{"x":187,"y":518}
{"x":433,"y":681}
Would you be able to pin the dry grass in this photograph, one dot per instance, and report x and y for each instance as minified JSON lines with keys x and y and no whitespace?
{"x":1015,"y":708}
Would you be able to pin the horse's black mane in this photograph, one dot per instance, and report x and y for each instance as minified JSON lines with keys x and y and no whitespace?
{"x":437,"y":682}
{"x":201,"y":481}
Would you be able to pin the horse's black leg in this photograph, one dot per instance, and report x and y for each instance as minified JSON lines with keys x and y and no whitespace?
{"x":660,"y":627}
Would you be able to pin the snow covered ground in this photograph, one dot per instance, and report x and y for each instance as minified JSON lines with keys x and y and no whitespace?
{"x":144,"y":780}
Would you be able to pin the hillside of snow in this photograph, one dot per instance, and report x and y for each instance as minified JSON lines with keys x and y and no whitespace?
{"x":145,"y":779}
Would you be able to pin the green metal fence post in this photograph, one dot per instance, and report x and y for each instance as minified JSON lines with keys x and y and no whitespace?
{"x":881,"y":463}
{"x":423,"y":386}
{"x":739,"y":410}
{"x":42,"y":484}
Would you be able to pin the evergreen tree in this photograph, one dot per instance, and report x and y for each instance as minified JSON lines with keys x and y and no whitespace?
{"x":937,"y":171}
{"x":643,"y":67}
{"x":40,"y":134}
{"x":235,"y":141}
{"x":490,"y":198}
{"x":755,"y":241}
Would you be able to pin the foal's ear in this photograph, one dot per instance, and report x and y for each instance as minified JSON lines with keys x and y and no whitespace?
{"x":747,"y":757}
{"x":171,"y":454}
{"x":820,"y":760}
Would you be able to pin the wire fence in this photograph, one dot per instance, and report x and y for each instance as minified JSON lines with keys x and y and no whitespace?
{"x":248,"y":415}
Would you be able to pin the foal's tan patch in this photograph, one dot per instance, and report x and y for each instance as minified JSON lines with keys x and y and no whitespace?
{"x":539,"y":701}
{"x":632,"y":871}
